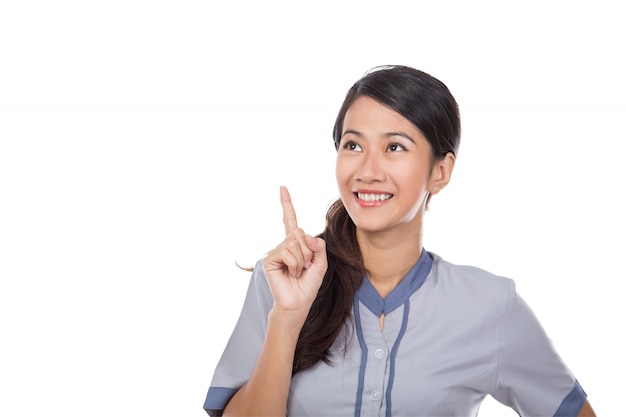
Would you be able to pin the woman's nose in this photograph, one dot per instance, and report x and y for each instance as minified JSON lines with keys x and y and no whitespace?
{"x":371,"y":168}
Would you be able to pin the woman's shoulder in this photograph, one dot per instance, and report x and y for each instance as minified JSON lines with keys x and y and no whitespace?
{"x":469,"y":279}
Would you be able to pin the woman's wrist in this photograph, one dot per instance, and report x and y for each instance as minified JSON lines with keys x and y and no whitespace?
{"x":287,"y":322}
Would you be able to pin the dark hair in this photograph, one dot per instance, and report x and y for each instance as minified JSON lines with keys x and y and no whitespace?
{"x":418,"y":97}
{"x":428,"y":104}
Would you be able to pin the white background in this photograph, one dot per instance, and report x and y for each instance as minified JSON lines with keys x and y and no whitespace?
{"x":142,"y":144}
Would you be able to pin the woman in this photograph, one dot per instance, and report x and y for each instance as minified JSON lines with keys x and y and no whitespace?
{"x":361,"y":320}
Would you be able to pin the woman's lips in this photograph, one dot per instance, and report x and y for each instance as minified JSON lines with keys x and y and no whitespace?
{"x":369,"y":198}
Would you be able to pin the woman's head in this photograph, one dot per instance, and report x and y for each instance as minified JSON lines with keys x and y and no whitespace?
{"x":420,"y":98}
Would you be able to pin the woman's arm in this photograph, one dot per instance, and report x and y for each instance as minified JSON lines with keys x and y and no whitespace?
{"x":295,"y":270}
{"x":266,"y":392}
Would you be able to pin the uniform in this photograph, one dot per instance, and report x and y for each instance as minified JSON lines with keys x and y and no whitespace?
{"x":452,"y":335}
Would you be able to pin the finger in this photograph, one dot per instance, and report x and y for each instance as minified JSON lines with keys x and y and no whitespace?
{"x":318,"y":248}
{"x":298,"y":249}
{"x":293,"y":262}
{"x":289,"y":214}
{"x":285,"y":259}
{"x":303,"y":247}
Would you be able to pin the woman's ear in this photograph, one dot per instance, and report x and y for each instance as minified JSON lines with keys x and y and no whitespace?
{"x":441,"y":173}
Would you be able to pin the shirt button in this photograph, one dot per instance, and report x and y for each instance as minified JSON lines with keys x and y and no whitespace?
{"x":379,"y":353}
{"x":374,"y":395}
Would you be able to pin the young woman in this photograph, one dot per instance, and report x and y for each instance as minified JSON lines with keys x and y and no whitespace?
{"x":361,"y":320}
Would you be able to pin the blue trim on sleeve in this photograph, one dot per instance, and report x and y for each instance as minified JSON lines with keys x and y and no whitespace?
{"x":392,"y":356}
{"x":359,"y":333}
{"x":218,"y":397}
{"x":572,"y":403}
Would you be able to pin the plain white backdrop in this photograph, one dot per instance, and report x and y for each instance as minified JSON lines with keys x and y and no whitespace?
{"x":142,"y":144}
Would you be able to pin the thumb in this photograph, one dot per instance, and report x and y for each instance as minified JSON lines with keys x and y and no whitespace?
{"x":318,"y":247}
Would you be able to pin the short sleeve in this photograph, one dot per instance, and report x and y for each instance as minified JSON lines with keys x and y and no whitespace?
{"x":244,"y":345}
{"x":531,"y":377}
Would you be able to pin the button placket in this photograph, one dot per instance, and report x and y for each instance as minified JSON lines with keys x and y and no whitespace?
{"x":378,"y":363}
{"x":376,"y":370}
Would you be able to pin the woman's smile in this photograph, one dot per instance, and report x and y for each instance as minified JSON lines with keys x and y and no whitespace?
{"x":371,"y":198}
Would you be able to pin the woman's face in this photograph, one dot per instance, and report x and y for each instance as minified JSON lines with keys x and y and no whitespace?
{"x":383,"y":168}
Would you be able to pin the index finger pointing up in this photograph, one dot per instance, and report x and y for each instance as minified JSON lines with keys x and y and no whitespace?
{"x":289,"y":214}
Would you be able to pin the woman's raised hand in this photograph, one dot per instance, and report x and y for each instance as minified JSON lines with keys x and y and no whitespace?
{"x":296,"y":267}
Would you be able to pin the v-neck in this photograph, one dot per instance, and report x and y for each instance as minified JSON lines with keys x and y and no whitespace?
{"x":411,"y":282}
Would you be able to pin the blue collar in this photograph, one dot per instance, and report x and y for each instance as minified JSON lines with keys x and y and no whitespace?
{"x":411,"y":282}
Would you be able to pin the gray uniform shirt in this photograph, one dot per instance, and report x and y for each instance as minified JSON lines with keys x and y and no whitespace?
{"x":452,"y":335}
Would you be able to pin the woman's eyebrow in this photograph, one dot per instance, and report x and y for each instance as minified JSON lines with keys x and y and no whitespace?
{"x":403,"y":134}
{"x":350,"y":131}
{"x":387,"y":135}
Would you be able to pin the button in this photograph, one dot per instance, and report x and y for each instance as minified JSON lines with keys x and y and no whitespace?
{"x":374,"y":395}
{"x":379,"y":353}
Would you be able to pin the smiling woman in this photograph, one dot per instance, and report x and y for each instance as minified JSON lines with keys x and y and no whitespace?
{"x":362,"y":320}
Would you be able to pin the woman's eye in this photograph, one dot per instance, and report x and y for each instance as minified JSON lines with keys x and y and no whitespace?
{"x":352,"y":146}
{"x":395,"y":147}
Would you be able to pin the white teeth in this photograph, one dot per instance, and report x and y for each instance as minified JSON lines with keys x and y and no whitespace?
{"x":373,"y":197}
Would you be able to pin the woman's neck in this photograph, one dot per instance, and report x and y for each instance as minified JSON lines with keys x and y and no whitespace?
{"x":388,"y":257}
